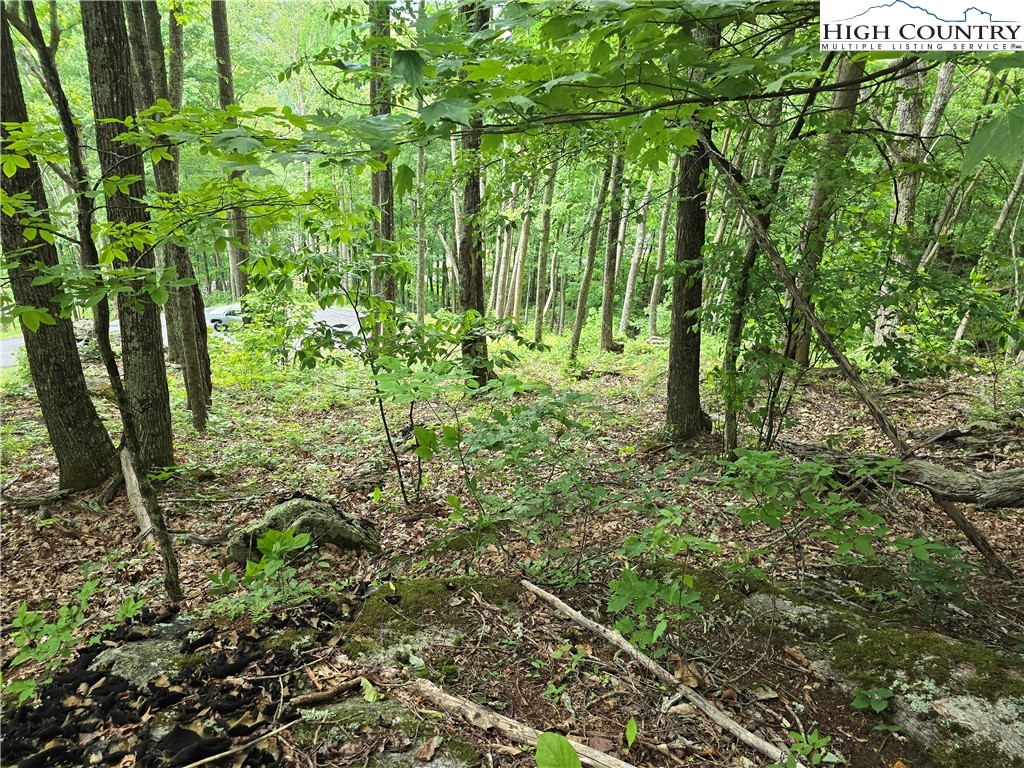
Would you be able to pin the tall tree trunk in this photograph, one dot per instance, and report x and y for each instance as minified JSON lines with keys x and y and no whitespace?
{"x":471,"y":256}
{"x":381,"y":180}
{"x":684,"y":417}
{"x":634,"y":263}
{"x":238,"y":248}
{"x":85,"y":454}
{"x":184,"y":323}
{"x":143,"y":398}
{"x":608,"y":343}
{"x":821,"y":204}
{"x":659,"y":271}
{"x":145,"y":374}
{"x":540,"y":302}
{"x":519,"y":266}
{"x":588,"y":269}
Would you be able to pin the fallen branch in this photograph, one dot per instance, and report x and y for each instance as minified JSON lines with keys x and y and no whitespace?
{"x":322,"y":697}
{"x":488,"y":720}
{"x":712,"y":712}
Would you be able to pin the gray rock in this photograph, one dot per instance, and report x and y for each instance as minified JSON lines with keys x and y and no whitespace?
{"x":141,"y":661}
{"x":324,"y":524}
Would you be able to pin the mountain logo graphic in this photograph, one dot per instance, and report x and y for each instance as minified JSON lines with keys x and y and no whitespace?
{"x":984,"y":16}
{"x":921,"y":25}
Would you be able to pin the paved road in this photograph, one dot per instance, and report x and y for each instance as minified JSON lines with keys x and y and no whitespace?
{"x":344,"y":316}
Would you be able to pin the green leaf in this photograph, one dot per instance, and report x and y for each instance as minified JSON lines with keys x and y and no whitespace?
{"x":370,"y":693}
{"x":408,"y":66}
{"x":1001,"y":138}
{"x":405,"y":178}
{"x":631,"y":732}
{"x":455,"y":110}
{"x":159,"y":295}
{"x":555,"y":751}
{"x":11,"y":164}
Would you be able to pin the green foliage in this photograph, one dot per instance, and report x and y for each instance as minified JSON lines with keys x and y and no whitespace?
{"x":268,"y":582}
{"x":810,"y":749}
{"x":630,"y":732}
{"x":50,"y":643}
{"x":875,"y":699}
{"x":555,"y":751}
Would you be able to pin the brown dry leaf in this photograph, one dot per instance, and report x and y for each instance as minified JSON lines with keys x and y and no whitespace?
{"x":898,"y":764}
{"x":683,"y":710}
{"x":601,"y":744}
{"x":686,"y":673}
{"x":426,"y":753}
{"x":798,"y":656}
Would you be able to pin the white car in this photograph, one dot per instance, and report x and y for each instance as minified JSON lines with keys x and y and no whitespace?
{"x":221,"y":319}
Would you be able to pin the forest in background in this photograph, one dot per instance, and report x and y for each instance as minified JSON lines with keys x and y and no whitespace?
{"x":650,"y":300}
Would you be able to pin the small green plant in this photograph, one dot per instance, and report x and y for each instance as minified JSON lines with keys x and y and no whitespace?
{"x":268,"y":581}
{"x":51,"y":643}
{"x":630,"y":732}
{"x":555,"y":751}
{"x":810,"y":749}
{"x":653,"y":607}
{"x":876,"y":699}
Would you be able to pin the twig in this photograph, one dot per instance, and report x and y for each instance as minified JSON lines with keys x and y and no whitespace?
{"x":321,"y":697}
{"x":243,"y":747}
{"x":486,"y":720}
{"x":710,"y":710}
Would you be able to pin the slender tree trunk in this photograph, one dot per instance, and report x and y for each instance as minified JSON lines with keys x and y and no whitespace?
{"x":238,"y":249}
{"x":659,"y":272}
{"x":634,"y":263}
{"x":821,"y":205}
{"x":608,"y":343}
{"x":540,"y":301}
{"x":471,"y":257}
{"x":588,"y":269}
{"x":184,"y":324}
{"x":519,"y":266}
{"x":381,"y":180}
{"x":85,"y":455}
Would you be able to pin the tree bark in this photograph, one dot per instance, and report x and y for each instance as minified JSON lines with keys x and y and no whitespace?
{"x":519,"y":265}
{"x":540,"y":301}
{"x":145,"y":374}
{"x":684,"y":417}
{"x":634,"y":262}
{"x":588,"y":269}
{"x":608,"y":343}
{"x":381,"y":180}
{"x":659,"y":272}
{"x":471,"y":257}
{"x":821,"y":205}
{"x":185,"y":322}
{"x":85,"y":454}
{"x":238,"y":247}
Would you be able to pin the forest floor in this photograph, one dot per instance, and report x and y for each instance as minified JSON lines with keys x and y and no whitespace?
{"x":563,"y":516}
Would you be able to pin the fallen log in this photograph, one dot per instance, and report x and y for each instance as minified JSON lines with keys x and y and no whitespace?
{"x":989,"y":490}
